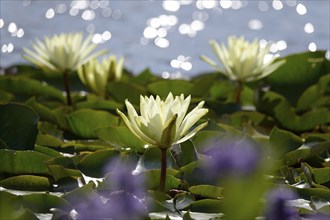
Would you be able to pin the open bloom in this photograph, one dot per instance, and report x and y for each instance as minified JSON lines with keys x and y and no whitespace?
{"x":61,"y":53}
{"x":96,"y":75}
{"x":163,"y":123}
{"x":243,"y":61}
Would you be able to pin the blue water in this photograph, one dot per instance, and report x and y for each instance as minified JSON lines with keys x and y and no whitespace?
{"x":178,"y":31}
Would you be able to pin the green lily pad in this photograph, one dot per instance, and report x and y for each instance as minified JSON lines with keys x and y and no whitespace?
{"x":207,"y":191}
{"x":19,"y":126}
{"x":27,"y":182}
{"x":207,"y":205}
{"x":97,"y":164}
{"x":164,"y":87}
{"x":283,"y":141}
{"x":23,"y":162}
{"x":121,"y":91}
{"x":84,"y":122}
{"x":30,"y":87}
{"x":120,"y":137}
{"x":297,"y":73}
{"x":42,"y":202}
{"x":183,"y":201}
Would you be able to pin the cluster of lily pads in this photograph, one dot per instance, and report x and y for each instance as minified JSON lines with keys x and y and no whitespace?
{"x":86,"y":139}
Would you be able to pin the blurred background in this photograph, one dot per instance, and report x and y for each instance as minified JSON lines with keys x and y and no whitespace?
{"x":167,"y":36}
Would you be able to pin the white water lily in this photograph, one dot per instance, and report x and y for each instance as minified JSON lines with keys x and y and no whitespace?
{"x":164,"y":123}
{"x":61,"y":53}
{"x":243,"y":61}
{"x":96,"y":75}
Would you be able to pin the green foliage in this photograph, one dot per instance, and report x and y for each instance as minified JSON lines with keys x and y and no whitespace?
{"x":18,"y":128}
{"x":70,"y":153}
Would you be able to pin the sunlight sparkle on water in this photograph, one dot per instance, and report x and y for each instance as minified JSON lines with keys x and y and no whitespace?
{"x":2,"y":23}
{"x":277,"y":5}
{"x":171,"y":5}
{"x":225,"y":4}
{"x":101,"y":38}
{"x":50,"y":13}
{"x":263,"y":6}
{"x":255,"y":24}
{"x":209,"y":4}
{"x":61,"y":8}
{"x":181,"y":62}
{"x":7,"y":48}
{"x":309,"y":28}
{"x":12,"y":28}
{"x":88,"y":15}
{"x":312,"y":47}
{"x":291,"y":3}
{"x":301,"y":9}
{"x":162,"y":42}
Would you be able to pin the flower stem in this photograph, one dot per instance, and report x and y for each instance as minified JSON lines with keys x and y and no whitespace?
{"x":239,"y":90}
{"x":67,"y":88}
{"x":163,"y":171}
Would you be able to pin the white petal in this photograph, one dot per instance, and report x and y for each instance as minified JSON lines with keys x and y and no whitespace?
{"x":192,"y":133}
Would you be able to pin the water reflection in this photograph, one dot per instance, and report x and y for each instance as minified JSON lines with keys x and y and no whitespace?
{"x":155,"y":34}
{"x":301,"y":9}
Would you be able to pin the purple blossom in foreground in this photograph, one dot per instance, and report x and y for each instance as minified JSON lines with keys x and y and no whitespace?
{"x":232,"y":158}
{"x":277,"y":207}
{"x":121,"y":178}
{"x":124,"y":201}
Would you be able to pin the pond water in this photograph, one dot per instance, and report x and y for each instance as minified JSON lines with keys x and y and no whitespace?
{"x":168,"y":36}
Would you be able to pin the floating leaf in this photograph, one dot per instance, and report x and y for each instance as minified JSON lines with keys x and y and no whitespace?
{"x":42,"y":202}
{"x":27,"y":183}
{"x":84,"y":122}
{"x":183,"y":201}
{"x":99,"y":105}
{"x":30,"y":87}
{"x":283,"y":141}
{"x":11,"y":208}
{"x":297,"y":73}
{"x":120,"y":137}
{"x":121,"y":91}
{"x":164,"y":87}
{"x":153,"y":177}
{"x":47,"y":151}
{"x":207,"y":205}
{"x":279,"y":108}
{"x":97,"y":164}
{"x":322,"y":175}
{"x":151,"y":159}
{"x":23,"y":162}
{"x":207,"y":191}
{"x":19,"y":126}
{"x":5,"y":97}
{"x":184,"y":153}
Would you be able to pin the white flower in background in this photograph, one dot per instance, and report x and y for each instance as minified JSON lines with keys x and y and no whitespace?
{"x":96,"y":75}
{"x":243,"y":61}
{"x":164,"y":123}
{"x":61,"y":53}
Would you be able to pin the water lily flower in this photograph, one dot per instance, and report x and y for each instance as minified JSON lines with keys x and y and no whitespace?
{"x":61,"y":53}
{"x":164,"y":123}
{"x":243,"y":61}
{"x":96,"y":75}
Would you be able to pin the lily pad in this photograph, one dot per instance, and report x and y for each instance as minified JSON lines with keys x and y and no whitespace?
{"x":84,"y":122}
{"x":19,"y":126}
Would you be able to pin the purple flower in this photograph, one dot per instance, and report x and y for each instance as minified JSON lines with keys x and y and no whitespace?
{"x":122,"y":178}
{"x":232,"y":158}
{"x":277,"y":207}
{"x":122,"y":197}
{"x":124,"y":205}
